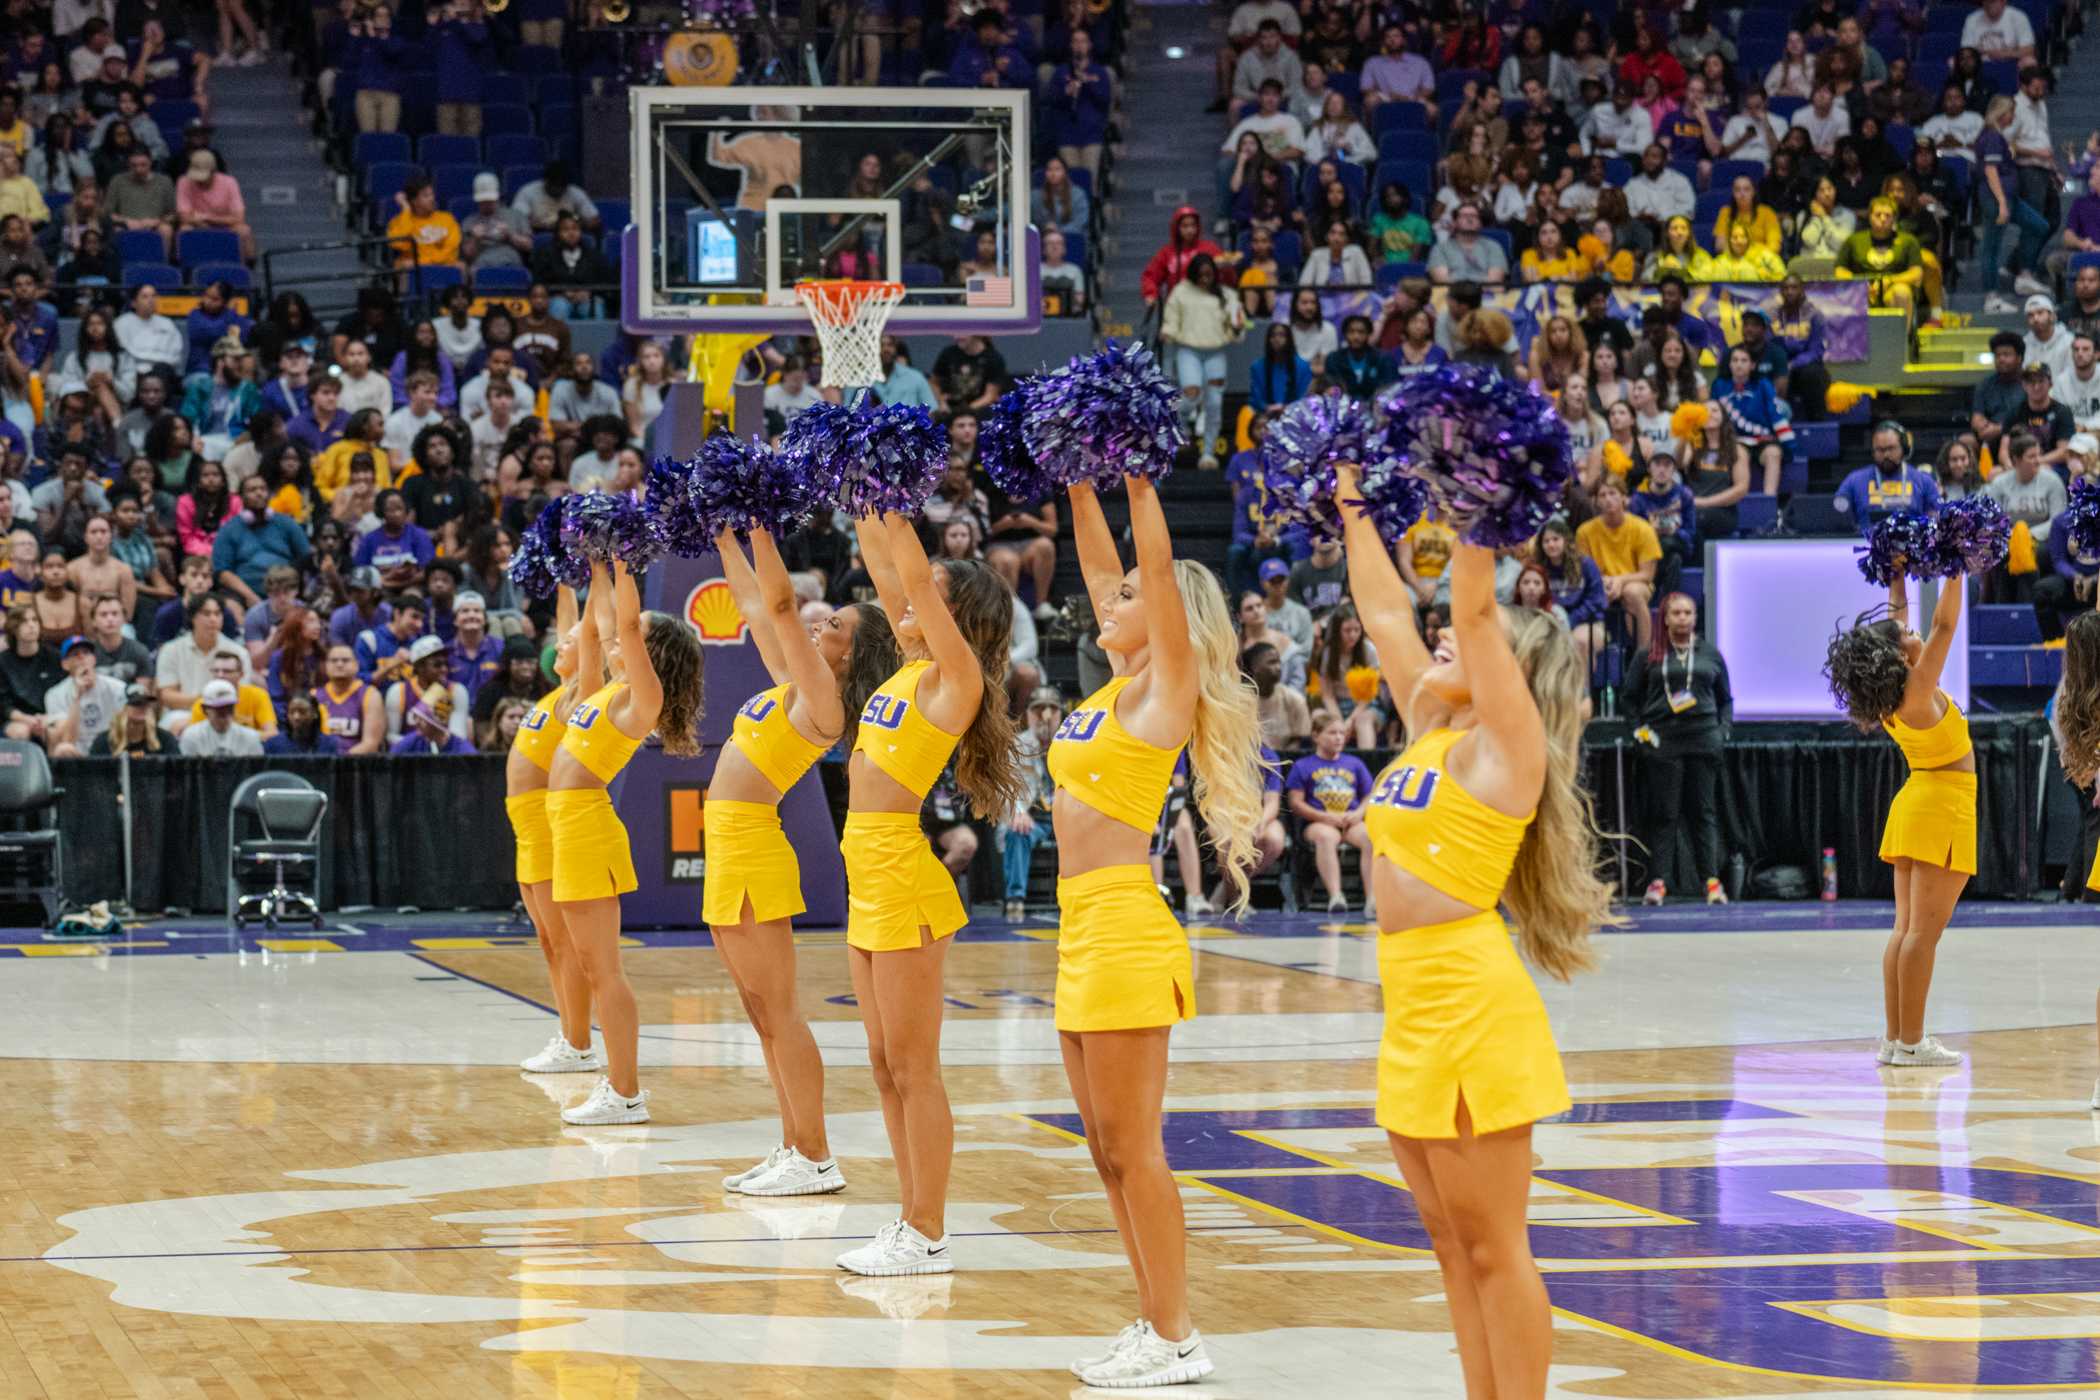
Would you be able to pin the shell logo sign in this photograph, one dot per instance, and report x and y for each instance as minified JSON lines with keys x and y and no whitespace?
{"x":714,"y":614}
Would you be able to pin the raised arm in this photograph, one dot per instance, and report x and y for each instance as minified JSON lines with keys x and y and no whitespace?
{"x":1100,"y":564}
{"x":752,"y":602}
{"x":1939,"y":640}
{"x":881,"y":564}
{"x":1384,"y":604}
{"x":590,"y":643}
{"x":961,"y":684}
{"x":1502,"y":701}
{"x":815,"y":686}
{"x":1172,"y":688}
{"x":644,"y":700}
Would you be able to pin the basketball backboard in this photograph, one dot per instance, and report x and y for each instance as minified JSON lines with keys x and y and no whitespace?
{"x":741,"y":192}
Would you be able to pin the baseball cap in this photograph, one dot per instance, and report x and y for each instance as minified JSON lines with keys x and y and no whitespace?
{"x":519,"y":648}
{"x":220,"y":695}
{"x":469,"y":599}
{"x":2038,"y":370}
{"x":487,"y":186}
{"x":365,"y":576}
{"x":2038,"y":302}
{"x":137,"y":694}
{"x":2085,"y":444}
{"x":1274,"y":568}
{"x":74,"y":644}
{"x":1751,"y":313}
{"x":1046,"y":695}
{"x":69,"y":386}
{"x":295,"y":347}
{"x":425,"y":647}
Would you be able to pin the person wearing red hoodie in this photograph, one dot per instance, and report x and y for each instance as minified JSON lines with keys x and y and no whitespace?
{"x":1171,"y":263}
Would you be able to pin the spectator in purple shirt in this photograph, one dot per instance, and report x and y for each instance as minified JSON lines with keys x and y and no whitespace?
{"x":429,"y":729}
{"x":1326,"y":791}
{"x":2081,"y":232}
{"x":400,"y":549}
{"x":1075,"y":106}
{"x":476,"y":656}
{"x":993,"y":60}
{"x":364,"y":610}
{"x":322,"y":424}
{"x":1394,"y":74}
{"x":290,"y":390}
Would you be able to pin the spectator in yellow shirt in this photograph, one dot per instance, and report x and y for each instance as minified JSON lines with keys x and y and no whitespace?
{"x":18,"y":193}
{"x":1745,"y":212}
{"x":1745,"y":261}
{"x":252,"y":709}
{"x":1550,"y":259}
{"x":432,"y":235}
{"x":1625,"y":549}
{"x":332,"y":467}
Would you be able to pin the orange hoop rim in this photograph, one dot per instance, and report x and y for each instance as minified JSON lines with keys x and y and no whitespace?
{"x":839,"y":299}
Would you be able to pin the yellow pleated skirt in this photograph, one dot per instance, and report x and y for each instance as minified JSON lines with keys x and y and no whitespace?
{"x":1462,"y":1017}
{"x":895,"y":884}
{"x":528,"y":823}
{"x":1122,"y":960}
{"x":592,"y":858}
{"x":748,"y":857}
{"x":1933,"y":819}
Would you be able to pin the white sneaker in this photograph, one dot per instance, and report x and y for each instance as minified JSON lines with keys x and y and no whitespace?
{"x":1044,"y":611}
{"x":1885,"y":1053}
{"x":1125,"y":1340}
{"x":605,"y":1105}
{"x":2029,"y":285}
{"x":898,"y":1249}
{"x":1370,"y":907}
{"x":902,"y":1299}
{"x":796,"y":1176}
{"x":1198,"y":907}
{"x":1153,"y":1360}
{"x":1206,"y":463}
{"x":1926,"y":1053}
{"x":1999,"y":304}
{"x":1337,"y":905}
{"x":2096,"y":1093}
{"x":560,"y":1057}
{"x":735,"y":1181}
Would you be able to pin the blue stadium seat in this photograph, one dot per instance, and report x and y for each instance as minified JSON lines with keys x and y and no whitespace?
{"x":1793,"y":476}
{"x":1725,"y":172}
{"x":1399,"y":116}
{"x":1618,"y":170}
{"x":2004,"y":625}
{"x":1784,"y":108}
{"x":558,"y":121}
{"x":2078,"y":260}
{"x":372,"y":147}
{"x":233,"y":274}
{"x":1407,"y":145}
{"x":1414,"y":174}
{"x":1692,"y":583}
{"x":461,"y":207}
{"x":553,"y":88}
{"x":1707,"y":207}
{"x":1756,"y":513}
{"x":490,"y":280}
{"x":1817,"y":441}
{"x":1349,"y":85}
{"x":1902,"y":138}
{"x":1501,"y":236}
{"x":386,"y":178}
{"x":1075,"y":244}
{"x":139,"y":245}
{"x":437,"y":278}
{"x":1813,"y":514}
{"x":516,"y":148}
{"x":914,"y":274}
{"x":505,"y":119}
{"x":517,"y":177}
{"x":455,"y":181}
{"x":1392,"y":274}
{"x":1290,"y":253}
{"x":448,"y":150}
{"x":1452,"y":81}
{"x":161,"y":276}
{"x":619,"y":213}
{"x":207,"y":245}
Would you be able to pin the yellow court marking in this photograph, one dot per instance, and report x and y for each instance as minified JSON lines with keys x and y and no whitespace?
{"x":1812,"y":1308}
{"x":75,"y":950}
{"x":446,"y":945}
{"x":299,"y":945}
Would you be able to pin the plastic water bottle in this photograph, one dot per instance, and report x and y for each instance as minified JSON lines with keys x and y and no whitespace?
{"x":1830,"y":874}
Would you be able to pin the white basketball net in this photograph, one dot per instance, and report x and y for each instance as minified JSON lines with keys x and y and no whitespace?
{"x":849,"y":317}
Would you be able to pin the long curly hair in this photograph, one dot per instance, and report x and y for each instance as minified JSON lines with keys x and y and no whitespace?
{"x":1554,"y":892}
{"x":2078,"y":701}
{"x":986,"y":766}
{"x":1866,"y":668}
{"x":1225,"y":744}
{"x":674,"y":654}
{"x":872,"y":659}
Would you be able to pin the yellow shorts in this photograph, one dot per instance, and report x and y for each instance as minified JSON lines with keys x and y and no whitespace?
{"x":528,"y":821}
{"x":1462,"y":1017}
{"x":895,"y":884}
{"x":748,"y":857}
{"x":1122,"y":960}
{"x":1933,"y":819}
{"x":592,"y":859}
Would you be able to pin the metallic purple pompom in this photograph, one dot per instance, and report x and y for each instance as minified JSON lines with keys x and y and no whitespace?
{"x":1970,"y":536}
{"x":741,"y":484}
{"x":871,"y":459}
{"x":602,"y":525}
{"x":1306,"y":443}
{"x":1104,"y":417}
{"x":543,"y":562}
{"x":1494,"y":455}
{"x":1393,"y":500}
{"x":1003,"y":449}
{"x":1900,"y":545}
{"x":2082,"y":519}
{"x":667,"y":496}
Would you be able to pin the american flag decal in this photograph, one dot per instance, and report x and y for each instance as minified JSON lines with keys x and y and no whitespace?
{"x":988,"y":291}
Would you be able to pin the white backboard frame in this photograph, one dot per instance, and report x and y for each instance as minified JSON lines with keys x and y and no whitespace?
{"x":779,"y":293}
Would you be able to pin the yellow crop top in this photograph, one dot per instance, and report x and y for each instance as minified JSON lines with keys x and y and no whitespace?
{"x":593,"y":740}
{"x":898,"y":738}
{"x":763,"y":735}
{"x":1420,"y":819}
{"x":1944,"y":743}
{"x":539,"y":735}
{"x":1099,"y":762}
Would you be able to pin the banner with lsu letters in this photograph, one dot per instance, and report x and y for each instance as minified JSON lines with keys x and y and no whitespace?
{"x":1843,"y":306}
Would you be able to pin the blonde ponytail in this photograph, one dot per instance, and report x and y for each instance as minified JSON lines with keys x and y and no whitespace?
{"x":1555,"y":894}
{"x":1225,"y":742}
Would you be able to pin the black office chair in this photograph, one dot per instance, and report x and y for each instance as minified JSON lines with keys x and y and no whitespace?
{"x":275,"y":876}
{"x":32,"y":857}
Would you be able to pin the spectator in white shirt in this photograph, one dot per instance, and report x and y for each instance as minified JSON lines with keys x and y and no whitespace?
{"x":1825,"y":120}
{"x":1659,"y":194}
{"x":362,"y":387}
{"x":149,"y":339}
{"x":2079,"y":391}
{"x":219,"y":736}
{"x":80,"y":708}
{"x":418,"y":413}
{"x":1281,"y":137}
{"x":2046,"y":342}
{"x":2029,"y":137}
{"x":1617,"y":128}
{"x":1754,"y":133}
{"x":1953,"y":130}
{"x":794,"y":395}
{"x":2000,"y":33}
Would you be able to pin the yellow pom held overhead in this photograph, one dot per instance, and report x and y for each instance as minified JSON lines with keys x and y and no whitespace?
{"x":1616,"y":460}
{"x":1843,"y":396}
{"x":1363,"y":683}
{"x":1690,"y":421}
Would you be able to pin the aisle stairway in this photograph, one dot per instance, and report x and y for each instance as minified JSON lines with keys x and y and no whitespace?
{"x":1169,"y":144}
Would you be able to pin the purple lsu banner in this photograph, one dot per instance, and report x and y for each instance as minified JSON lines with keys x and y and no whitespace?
{"x":1843,"y":306}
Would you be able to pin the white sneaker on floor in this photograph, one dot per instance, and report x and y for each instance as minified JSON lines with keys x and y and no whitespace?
{"x":2029,"y":285}
{"x":1885,"y":1052}
{"x":1999,"y":304}
{"x":1927,"y":1053}
{"x":606,"y":1105}
{"x":1198,"y":907}
{"x":2096,"y":1094}
{"x":1370,"y":908}
{"x":735,"y":1180}
{"x":897,"y":1249}
{"x":1044,"y":611}
{"x":1125,"y":1340}
{"x":1206,"y":463}
{"x":250,"y":58}
{"x":1153,"y":1360}
{"x":1337,"y":905}
{"x":560,"y":1057}
{"x":796,"y":1175}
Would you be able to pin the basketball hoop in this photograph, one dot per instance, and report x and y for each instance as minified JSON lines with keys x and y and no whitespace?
{"x":849,"y":317}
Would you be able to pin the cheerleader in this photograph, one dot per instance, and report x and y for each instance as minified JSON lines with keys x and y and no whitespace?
{"x":593,"y":865}
{"x":2075,"y":718}
{"x":1124,"y":975}
{"x":569,"y":1049}
{"x":953,"y":627}
{"x":821,"y":676}
{"x":1482,"y":809}
{"x":1883,"y":674}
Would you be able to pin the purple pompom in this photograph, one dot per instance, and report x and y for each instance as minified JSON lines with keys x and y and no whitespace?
{"x":1393,"y":500}
{"x":2082,"y":519}
{"x":1494,"y":455}
{"x":600,"y":525}
{"x":667,"y":496}
{"x":1104,"y":417}
{"x":1900,"y":545}
{"x":1970,"y":536}
{"x":873,"y":458}
{"x":543,"y":562}
{"x":1002,"y":448}
{"x":741,"y":484}
{"x":1299,"y":456}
